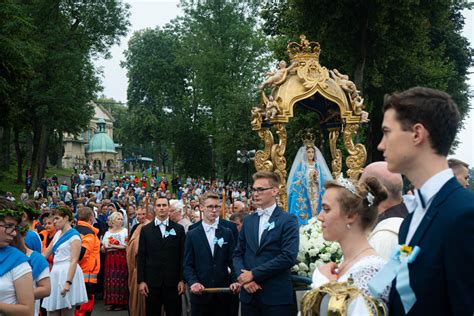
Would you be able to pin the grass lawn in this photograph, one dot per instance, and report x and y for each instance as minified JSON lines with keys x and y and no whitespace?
{"x":8,"y":179}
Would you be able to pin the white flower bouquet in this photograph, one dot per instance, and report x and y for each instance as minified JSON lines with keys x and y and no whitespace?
{"x":314,"y":250}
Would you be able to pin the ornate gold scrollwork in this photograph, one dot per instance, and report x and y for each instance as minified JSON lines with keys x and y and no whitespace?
{"x":357,"y":153}
{"x":336,"y":163}
{"x":341,"y":294}
{"x":262,"y":157}
{"x":278,"y":157}
{"x":257,"y":118}
{"x":311,"y":73}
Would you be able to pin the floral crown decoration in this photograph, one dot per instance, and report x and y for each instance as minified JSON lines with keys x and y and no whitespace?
{"x":65,"y":211}
{"x":24,"y":228}
{"x":349,"y":186}
{"x":31,"y":212}
{"x":12,"y":213}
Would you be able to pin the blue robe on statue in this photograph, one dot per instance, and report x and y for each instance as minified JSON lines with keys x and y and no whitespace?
{"x":305,"y":194}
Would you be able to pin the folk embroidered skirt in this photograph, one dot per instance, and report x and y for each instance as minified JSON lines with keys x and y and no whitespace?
{"x":116,"y":278}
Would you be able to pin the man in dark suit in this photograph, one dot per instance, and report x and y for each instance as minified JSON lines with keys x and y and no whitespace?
{"x":419,"y":127}
{"x":266,"y":250}
{"x":208,"y":261}
{"x":160,"y":262}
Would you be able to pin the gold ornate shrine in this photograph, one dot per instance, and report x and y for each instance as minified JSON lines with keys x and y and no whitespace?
{"x":331,"y":94}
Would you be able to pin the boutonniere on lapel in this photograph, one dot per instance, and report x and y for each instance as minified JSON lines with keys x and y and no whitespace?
{"x":405,"y":252}
{"x":171,"y":232}
{"x":269,"y":226}
{"x":219,"y":241}
{"x":397,"y":268}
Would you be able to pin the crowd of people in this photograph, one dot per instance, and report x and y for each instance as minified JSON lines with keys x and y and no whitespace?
{"x":101,"y":220}
{"x":209,"y":249}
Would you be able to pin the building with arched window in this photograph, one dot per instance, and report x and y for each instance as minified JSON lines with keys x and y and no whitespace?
{"x":95,"y":146}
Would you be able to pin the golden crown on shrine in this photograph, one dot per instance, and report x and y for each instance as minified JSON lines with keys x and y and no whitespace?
{"x":304,"y":50}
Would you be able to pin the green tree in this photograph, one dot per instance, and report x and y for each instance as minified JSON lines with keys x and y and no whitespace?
{"x":384,"y":46}
{"x":70,"y":34}
{"x":196,"y":77}
{"x":227,"y":54}
{"x":156,"y":81}
{"x":17,"y":55}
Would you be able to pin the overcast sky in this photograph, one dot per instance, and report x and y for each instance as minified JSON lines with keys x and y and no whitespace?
{"x":152,"y":13}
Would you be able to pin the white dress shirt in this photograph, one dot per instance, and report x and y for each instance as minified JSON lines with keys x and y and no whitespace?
{"x":210,"y":231}
{"x":162,"y":225}
{"x":264,"y":219}
{"x":428,"y":191}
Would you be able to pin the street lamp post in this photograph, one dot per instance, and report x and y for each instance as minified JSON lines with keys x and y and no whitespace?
{"x":245,"y":156}
{"x":210,"y":138}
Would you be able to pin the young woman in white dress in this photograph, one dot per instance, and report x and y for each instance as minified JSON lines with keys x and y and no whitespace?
{"x":67,"y":280}
{"x":348,"y":213}
{"x":16,"y":282}
{"x":40,"y":269}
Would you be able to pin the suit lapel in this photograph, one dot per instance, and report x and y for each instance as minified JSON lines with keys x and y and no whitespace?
{"x":217,"y":248}
{"x":158,"y":234}
{"x":254,"y":228}
{"x":275,"y":214}
{"x":433,"y":210}
{"x":203,"y":237}
{"x":165,"y":239}
{"x":402,"y":236}
{"x":169,"y":227}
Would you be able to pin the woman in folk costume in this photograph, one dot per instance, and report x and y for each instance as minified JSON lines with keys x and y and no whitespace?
{"x":136,"y":303}
{"x":306,"y":181}
{"x":349,"y":211}
{"x":16,"y":282}
{"x":67,"y":280}
{"x":114,"y":243}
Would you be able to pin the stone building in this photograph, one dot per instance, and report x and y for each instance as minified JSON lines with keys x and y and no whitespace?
{"x":95,"y":146}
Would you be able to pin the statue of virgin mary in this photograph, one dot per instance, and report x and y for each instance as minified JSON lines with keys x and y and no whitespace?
{"x":306,"y":181}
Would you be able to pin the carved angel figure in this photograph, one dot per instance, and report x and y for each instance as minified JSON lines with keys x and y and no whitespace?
{"x":272,"y":108}
{"x":277,"y":76}
{"x":344,"y":82}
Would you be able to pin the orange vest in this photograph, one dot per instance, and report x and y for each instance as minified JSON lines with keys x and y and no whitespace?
{"x":90,"y":252}
{"x":34,"y":224}
{"x":44,"y":235}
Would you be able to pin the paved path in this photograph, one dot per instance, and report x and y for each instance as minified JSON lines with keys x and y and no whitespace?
{"x":100,"y":309}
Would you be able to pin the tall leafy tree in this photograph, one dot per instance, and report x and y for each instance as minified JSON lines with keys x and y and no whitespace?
{"x":384,"y":46}
{"x":70,"y":34}
{"x":17,"y":55}
{"x":196,"y":77}
{"x":227,"y":53}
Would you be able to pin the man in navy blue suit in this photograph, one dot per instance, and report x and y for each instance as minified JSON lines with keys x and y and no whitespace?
{"x":208,"y":261}
{"x":266,"y":250}
{"x":419,"y":127}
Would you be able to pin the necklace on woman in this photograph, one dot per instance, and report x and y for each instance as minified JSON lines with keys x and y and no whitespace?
{"x":339,"y":269}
